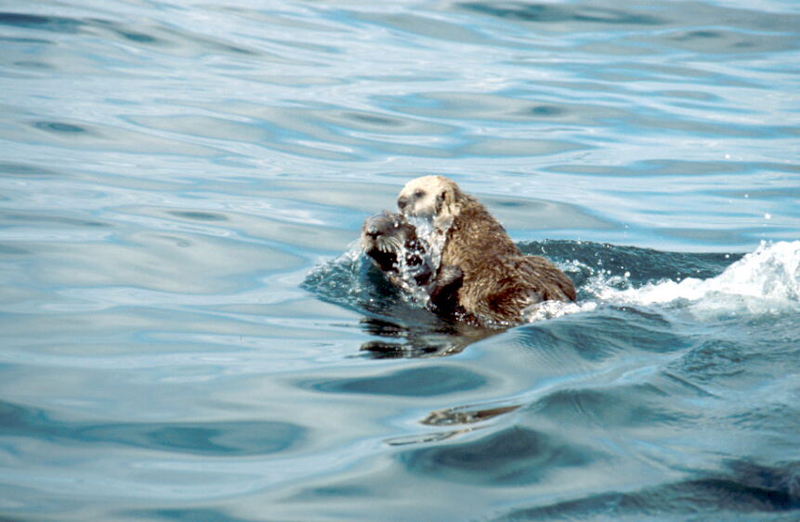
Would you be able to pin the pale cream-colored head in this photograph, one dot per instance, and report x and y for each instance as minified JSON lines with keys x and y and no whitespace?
{"x":431,"y":197}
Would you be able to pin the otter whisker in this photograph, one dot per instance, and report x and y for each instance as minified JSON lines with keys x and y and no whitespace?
{"x":390,"y":244}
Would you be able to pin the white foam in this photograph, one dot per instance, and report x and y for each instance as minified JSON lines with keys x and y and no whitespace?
{"x":764,"y":281}
{"x":554,"y":309}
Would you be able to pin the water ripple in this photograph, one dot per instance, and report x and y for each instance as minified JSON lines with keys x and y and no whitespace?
{"x":189,"y":330}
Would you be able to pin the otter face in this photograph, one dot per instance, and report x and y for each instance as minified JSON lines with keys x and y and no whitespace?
{"x":427,"y":197}
{"x":392,"y":244}
{"x":383,"y":237}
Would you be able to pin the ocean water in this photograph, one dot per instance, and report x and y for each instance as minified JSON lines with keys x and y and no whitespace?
{"x":189,"y":332}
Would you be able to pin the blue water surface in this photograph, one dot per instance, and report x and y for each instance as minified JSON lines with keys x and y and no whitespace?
{"x":189,"y":331}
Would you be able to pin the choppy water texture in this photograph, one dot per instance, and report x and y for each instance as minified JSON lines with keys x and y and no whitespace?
{"x":188,"y":332}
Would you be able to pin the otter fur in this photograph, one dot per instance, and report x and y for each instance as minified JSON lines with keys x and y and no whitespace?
{"x":498,"y":282}
{"x":394,"y":247}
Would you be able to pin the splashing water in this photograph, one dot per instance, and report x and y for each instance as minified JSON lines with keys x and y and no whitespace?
{"x":434,"y":240}
{"x":764,"y":281}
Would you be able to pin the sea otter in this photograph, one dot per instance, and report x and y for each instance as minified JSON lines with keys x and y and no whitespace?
{"x":394,"y":247}
{"x":497,"y":281}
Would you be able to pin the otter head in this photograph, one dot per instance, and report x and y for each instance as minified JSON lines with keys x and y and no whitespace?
{"x":385,"y":237}
{"x":430,"y":197}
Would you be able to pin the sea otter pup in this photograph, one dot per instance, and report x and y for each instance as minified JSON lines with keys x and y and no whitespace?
{"x":497,"y":281}
{"x":394,"y":247}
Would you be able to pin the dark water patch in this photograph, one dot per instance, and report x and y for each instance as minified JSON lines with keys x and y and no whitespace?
{"x":199,"y":216}
{"x":423,"y":381}
{"x":60,"y":127}
{"x":58,"y":24}
{"x":514,"y":455}
{"x":138,"y":37}
{"x":229,"y":438}
{"x":365,"y":133}
{"x":36,"y":41}
{"x":373,"y":119}
{"x":127,"y":34}
{"x":699,"y":34}
{"x":644,"y":265}
{"x":709,"y":41}
{"x":182,"y":514}
{"x":246,"y":438}
{"x":750,"y":489}
{"x":34,"y":65}
{"x":149,"y":36}
{"x":26,"y":170}
{"x":547,"y":110}
{"x":30,"y":219}
{"x":164,"y":37}
{"x":550,"y":13}
{"x":333,"y":492}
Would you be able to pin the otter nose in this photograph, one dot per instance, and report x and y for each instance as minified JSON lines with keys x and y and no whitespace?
{"x":401,"y":203}
{"x":372,"y":231}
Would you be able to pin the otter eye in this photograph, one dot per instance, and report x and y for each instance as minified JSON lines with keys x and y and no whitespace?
{"x":419,"y":193}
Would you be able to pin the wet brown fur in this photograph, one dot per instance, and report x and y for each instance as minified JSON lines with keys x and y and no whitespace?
{"x":499,"y":281}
